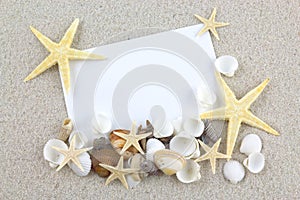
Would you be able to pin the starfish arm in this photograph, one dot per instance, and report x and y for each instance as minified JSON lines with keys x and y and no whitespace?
{"x":219,"y":113}
{"x":204,"y":146}
{"x":206,"y":156}
{"x":213,"y":15}
{"x":64,"y":69}
{"x":220,"y":24}
{"x":77,"y":163}
{"x":221,"y":155}
{"x":64,"y":162}
{"x":142,"y":136}
{"x":232,"y":133}
{"x":112,"y":177}
{"x":202,"y":19}
{"x":138,"y":147}
{"x":254,"y":121}
{"x":46,"y":64}
{"x":122,"y":135}
{"x":108,"y":167}
{"x":251,"y":96}
{"x":229,"y":95}
{"x":69,"y":35}
{"x":75,"y":54}
{"x":49,"y":45}
{"x":59,"y":150}
{"x":123,"y":181}
{"x":213,"y":165}
{"x":125,"y":147}
{"x":202,"y":31}
{"x":215,"y":33}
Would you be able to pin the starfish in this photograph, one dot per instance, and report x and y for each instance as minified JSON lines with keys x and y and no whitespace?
{"x":60,"y":53}
{"x":132,"y":139}
{"x":212,"y":154}
{"x":71,"y":154}
{"x":237,"y":111}
{"x":118,"y":172}
{"x":210,"y":24}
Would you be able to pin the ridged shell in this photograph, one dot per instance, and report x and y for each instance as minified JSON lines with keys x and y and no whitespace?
{"x":169,"y":161}
{"x":251,"y":143}
{"x":118,"y":143}
{"x":190,"y":173}
{"x":55,"y":158}
{"x":234,"y":171}
{"x":85,"y":162}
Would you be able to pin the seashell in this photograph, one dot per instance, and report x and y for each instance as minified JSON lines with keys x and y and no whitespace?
{"x":233,"y":171}
{"x":255,"y":162}
{"x":104,"y":156}
{"x":152,"y":146}
{"x":101,"y":143}
{"x":251,"y":144}
{"x":55,"y":158}
{"x":65,"y":130}
{"x":149,"y":167}
{"x":85,"y":162}
{"x":177,"y":124}
{"x":226,"y":65}
{"x":135,"y":163}
{"x":194,"y":127}
{"x":81,"y":139}
{"x":163,"y":129}
{"x":190,"y":173}
{"x":148,"y":129}
{"x":169,"y":161}
{"x":206,"y":98}
{"x":101,"y":124}
{"x":117,"y":143}
{"x":186,"y":145}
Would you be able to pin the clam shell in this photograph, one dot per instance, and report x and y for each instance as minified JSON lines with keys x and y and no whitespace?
{"x":101,"y":124}
{"x":190,"y":173}
{"x":194,"y":127}
{"x":169,"y":161}
{"x":81,"y":139}
{"x":152,"y":146}
{"x":255,"y":162}
{"x":85,"y":162}
{"x":234,"y":171}
{"x":65,"y":130}
{"x":55,"y":158}
{"x":251,"y":144}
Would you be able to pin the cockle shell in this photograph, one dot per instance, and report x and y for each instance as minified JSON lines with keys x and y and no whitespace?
{"x":251,"y":144}
{"x":169,"y":161}
{"x":54,"y":157}
{"x":81,"y":139}
{"x":101,"y":124}
{"x":255,"y":162}
{"x":65,"y":130}
{"x":190,"y":173}
{"x":193,"y":126}
{"x":233,"y":171}
{"x":118,"y":143}
{"x":186,"y":145}
{"x":104,"y":156}
{"x":85,"y":162}
{"x":152,"y":146}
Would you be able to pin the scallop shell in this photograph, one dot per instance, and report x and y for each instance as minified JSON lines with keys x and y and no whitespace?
{"x":169,"y":161}
{"x":101,"y":124}
{"x":85,"y":162}
{"x":65,"y":130}
{"x":54,"y":157}
{"x":251,"y":144}
{"x":81,"y":139}
{"x":152,"y":146}
{"x":190,"y":173}
{"x":194,"y":127}
{"x":118,"y":143}
{"x":234,"y":171}
{"x":255,"y":162}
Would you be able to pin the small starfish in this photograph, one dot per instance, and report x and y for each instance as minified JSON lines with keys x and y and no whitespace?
{"x":71,"y":154}
{"x":212,"y":154}
{"x":237,"y":111}
{"x":132,"y":139}
{"x":210,"y":24}
{"x":60,"y":53}
{"x":118,"y":172}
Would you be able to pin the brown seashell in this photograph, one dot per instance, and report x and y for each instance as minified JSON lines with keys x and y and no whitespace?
{"x":101,"y":143}
{"x":103,"y":156}
{"x":142,"y":130}
{"x":65,"y":130}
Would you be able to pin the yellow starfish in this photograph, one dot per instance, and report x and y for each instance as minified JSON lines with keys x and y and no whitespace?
{"x":71,"y":154}
{"x":60,"y":53}
{"x":237,"y":111}
{"x":212,"y":154}
{"x":210,"y":24}
{"x":132,"y":139}
{"x":118,"y":172}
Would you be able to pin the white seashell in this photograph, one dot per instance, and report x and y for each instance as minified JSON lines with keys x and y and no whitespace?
{"x":85,"y":162}
{"x":206,"y":98}
{"x":81,"y":139}
{"x":177,"y":124}
{"x":55,"y":158}
{"x":233,"y":171}
{"x":194,"y":127}
{"x":186,"y":145}
{"x":152,"y":146}
{"x":169,"y":161}
{"x":251,"y":144}
{"x":135,"y":163}
{"x":190,"y":173}
{"x":101,"y":124}
{"x":226,"y":65}
{"x":162,"y":129}
{"x":255,"y":162}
